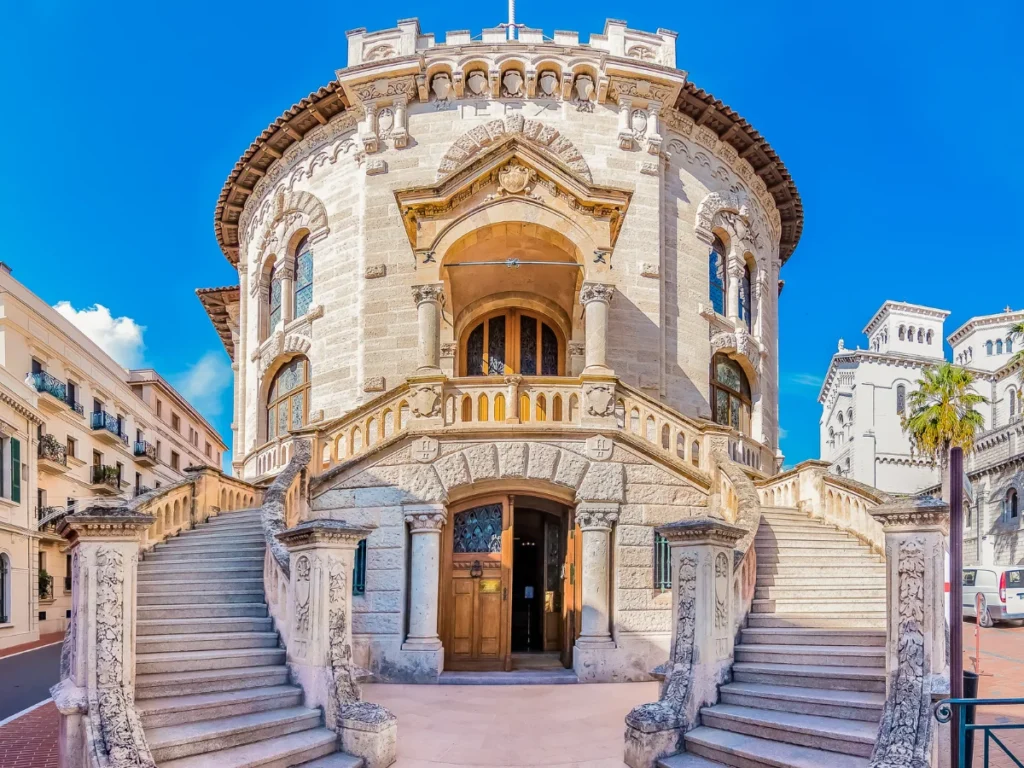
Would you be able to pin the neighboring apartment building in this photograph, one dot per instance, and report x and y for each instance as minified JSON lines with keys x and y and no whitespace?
{"x":864,"y":397}
{"x":74,"y":425}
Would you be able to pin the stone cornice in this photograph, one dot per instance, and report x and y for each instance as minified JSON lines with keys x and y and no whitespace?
{"x":100,"y":521}
{"x":20,"y":408}
{"x":923,"y":513}
{"x":338,"y":532}
{"x":702,"y":530}
{"x":984,"y":321}
{"x":902,"y":306}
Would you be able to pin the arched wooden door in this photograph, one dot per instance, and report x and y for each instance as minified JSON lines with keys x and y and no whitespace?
{"x":476,"y":584}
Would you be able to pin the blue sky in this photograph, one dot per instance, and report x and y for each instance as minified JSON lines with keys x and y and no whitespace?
{"x":899,"y":121}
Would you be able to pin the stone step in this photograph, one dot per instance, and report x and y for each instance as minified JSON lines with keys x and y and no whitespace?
{"x":198,"y":661}
{"x":191,"y":682}
{"x":812,"y":580}
{"x":826,"y":655}
{"x":686,"y":760}
{"x":850,"y":705}
{"x":767,"y":535}
{"x":741,"y":751}
{"x":871,"y":679}
{"x":213,"y":641}
{"x":191,"y":562}
{"x":226,"y":546}
{"x":817,"y":636}
{"x":246,"y":522}
{"x":813,"y":550}
{"x":178,"y":710}
{"x":148,"y":627}
{"x":304,"y":748}
{"x":858,"y":620}
{"x":218,"y":585}
{"x":207,"y":536}
{"x":202,"y":552}
{"x":207,"y":736}
{"x":223,"y":595}
{"x":827,"y":567}
{"x":832,"y":605}
{"x":829,"y":734}
{"x":337,"y":760}
{"x":824,"y":592}
{"x":196,"y":572}
{"x":208,"y":611}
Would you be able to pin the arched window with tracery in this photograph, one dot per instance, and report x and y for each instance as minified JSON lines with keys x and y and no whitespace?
{"x":303,"y":277}
{"x":730,"y":393}
{"x":716,"y":276}
{"x":746,"y":307}
{"x":513,"y":341}
{"x":288,"y":398}
{"x":901,"y":399}
{"x":274,"y":301}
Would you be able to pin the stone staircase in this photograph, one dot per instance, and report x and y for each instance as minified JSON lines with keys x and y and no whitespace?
{"x":808,"y":682}
{"x":211,"y":683}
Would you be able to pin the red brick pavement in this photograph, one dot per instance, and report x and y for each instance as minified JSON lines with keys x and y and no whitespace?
{"x":53,"y":637}
{"x":31,"y":740}
{"x":1002,"y":677}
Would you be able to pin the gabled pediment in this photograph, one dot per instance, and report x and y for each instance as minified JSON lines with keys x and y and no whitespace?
{"x":510,"y":169}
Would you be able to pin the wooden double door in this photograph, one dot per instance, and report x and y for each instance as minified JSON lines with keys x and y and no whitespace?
{"x":482,"y":587}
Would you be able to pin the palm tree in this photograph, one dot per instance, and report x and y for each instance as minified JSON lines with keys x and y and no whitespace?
{"x":942,"y":412}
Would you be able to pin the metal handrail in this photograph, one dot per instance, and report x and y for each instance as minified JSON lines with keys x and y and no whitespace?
{"x":944,"y":709}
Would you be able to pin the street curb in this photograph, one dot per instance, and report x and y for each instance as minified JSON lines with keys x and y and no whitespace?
{"x":24,"y":712}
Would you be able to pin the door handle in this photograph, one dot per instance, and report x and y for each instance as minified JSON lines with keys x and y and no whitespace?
{"x":504,"y":594}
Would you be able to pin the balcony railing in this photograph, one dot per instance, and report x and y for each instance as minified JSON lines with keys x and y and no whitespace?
{"x":103,"y":474}
{"x":103,"y":420}
{"x":51,"y":449}
{"x":144,"y":450}
{"x":45,"y":587}
{"x":51,"y":385}
{"x":43,"y":513}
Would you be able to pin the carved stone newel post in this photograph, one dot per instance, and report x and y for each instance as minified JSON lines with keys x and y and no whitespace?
{"x":96,"y":694}
{"x":702,"y":640}
{"x":423,"y":644}
{"x":916,"y":541}
{"x":321,"y":555}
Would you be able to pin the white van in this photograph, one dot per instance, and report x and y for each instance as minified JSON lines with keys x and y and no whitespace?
{"x":1001,"y":589}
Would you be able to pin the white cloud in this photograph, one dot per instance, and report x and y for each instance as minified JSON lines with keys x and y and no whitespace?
{"x":119,"y":337}
{"x":783,"y":433}
{"x":806,"y":380}
{"x":204,"y":383}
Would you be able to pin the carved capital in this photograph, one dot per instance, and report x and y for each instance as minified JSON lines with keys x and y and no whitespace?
{"x":596,"y":292}
{"x":431,"y":292}
{"x":429,"y":518}
{"x":596,"y":516}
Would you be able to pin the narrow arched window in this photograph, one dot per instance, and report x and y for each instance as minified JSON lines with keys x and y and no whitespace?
{"x":5,"y":589}
{"x":920,"y":335}
{"x":288,"y":398}
{"x":730,"y":394}
{"x":303,"y":277}
{"x":275,"y":300}
{"x":903,"y":332}
{"x":849,"y":415}
{"x":1012,"y":396}
{"x":841,"y":418}
{"x":1011,"y":509}
{"x":716,"y":276}
{"x":746,"y":310}
{"x":1009,"y":345}
{"x":929,"y":337}
{"x":901,"y":399}
{"x":999,"y":346}
{"x":910,"y":333}
{"x":988,"y":347}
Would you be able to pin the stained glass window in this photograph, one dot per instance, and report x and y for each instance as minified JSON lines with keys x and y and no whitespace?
{"x":716,"y":276}
{"x":478,"y":530}
{"x":288,"y":398}
{"x":303,"y":278}
{"x":746,"y":311}
{"x":730,"y":394}
{"x":528,"y":345}
{"x":901,"y":399}
{"x":496,"y":346}
{"x":275,"y":302}
{"x":475,"y":352}
{"x":549,"y":351}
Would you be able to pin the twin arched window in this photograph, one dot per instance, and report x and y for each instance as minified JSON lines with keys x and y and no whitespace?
{"x":288,"y":398}
{"x":513,"y":341}
{"x":301,"y":287}
{"x":730,"y":394}
{"x":716,"y":276}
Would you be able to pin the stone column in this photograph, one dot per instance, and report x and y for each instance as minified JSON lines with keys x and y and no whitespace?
{"x":595,"y":520}
{"x":425,"y":524}
{"x":916,"y":541}
{"x":321,"y":554}
{"x":286,"y":271}
{"x":702,"y":642}
{"x":96,"y":694}
{"x":734,"y":268}
{"x":596,"y":299}
{"x":428,"y":306}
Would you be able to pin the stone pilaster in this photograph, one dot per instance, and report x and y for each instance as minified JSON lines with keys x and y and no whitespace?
{"x":423,"y":645}
{"x":595,"y":520}
{"x":702,"y":642}
{"x":917,"y":669}
{"x":321,"y":555}
{"x":96,"y":694}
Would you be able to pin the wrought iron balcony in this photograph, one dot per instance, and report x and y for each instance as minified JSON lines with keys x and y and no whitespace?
{"x":44,"y":513}
{"x":53,"y":452}
{"x":45,"y":383}
{"x":144,"y":452}
{"x":106,"y":477}
{"x":104,"y":424}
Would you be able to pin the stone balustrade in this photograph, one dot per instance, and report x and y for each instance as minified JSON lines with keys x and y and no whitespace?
{"x":511,"y":400}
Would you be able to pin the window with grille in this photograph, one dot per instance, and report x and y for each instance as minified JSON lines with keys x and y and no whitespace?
{"x":716,"y":276}
{"x":303,"y":278}
{"x":359,"y":570}
{"x":662,"y":563}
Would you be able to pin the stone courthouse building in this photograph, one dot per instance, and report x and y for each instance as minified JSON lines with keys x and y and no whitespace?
{"x":518,"y":285}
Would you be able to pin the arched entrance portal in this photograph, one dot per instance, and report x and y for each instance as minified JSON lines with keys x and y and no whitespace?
{"x":510,"y":596}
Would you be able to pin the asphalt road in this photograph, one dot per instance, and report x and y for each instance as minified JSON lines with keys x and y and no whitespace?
{"x":27,"y":677}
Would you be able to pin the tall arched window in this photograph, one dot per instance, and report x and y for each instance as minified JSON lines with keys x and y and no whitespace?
{"x":1011,"y":395}
{"x":746,"y":307}
{"x":730,"y":394}
{"x":910,"y":333}
{"x":303,"y":277}
{"x":920,"y":335}
{"x":903,"y":332}
{"x":716,"y":276}
{"x":5,"y":589}
{"x":999,"y":346}
{"x":929,"y":337}
{"x":1011,"y":508}
{"x":288,"y":398}
{"x":1009,"y":344}
{"x":275,"y":301}
{"x":513,"y":341}
{"x":988,"y":347}
{"x":901,"y":399}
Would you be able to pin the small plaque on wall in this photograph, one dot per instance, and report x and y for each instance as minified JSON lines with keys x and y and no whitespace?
{"x":490,"y":586}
